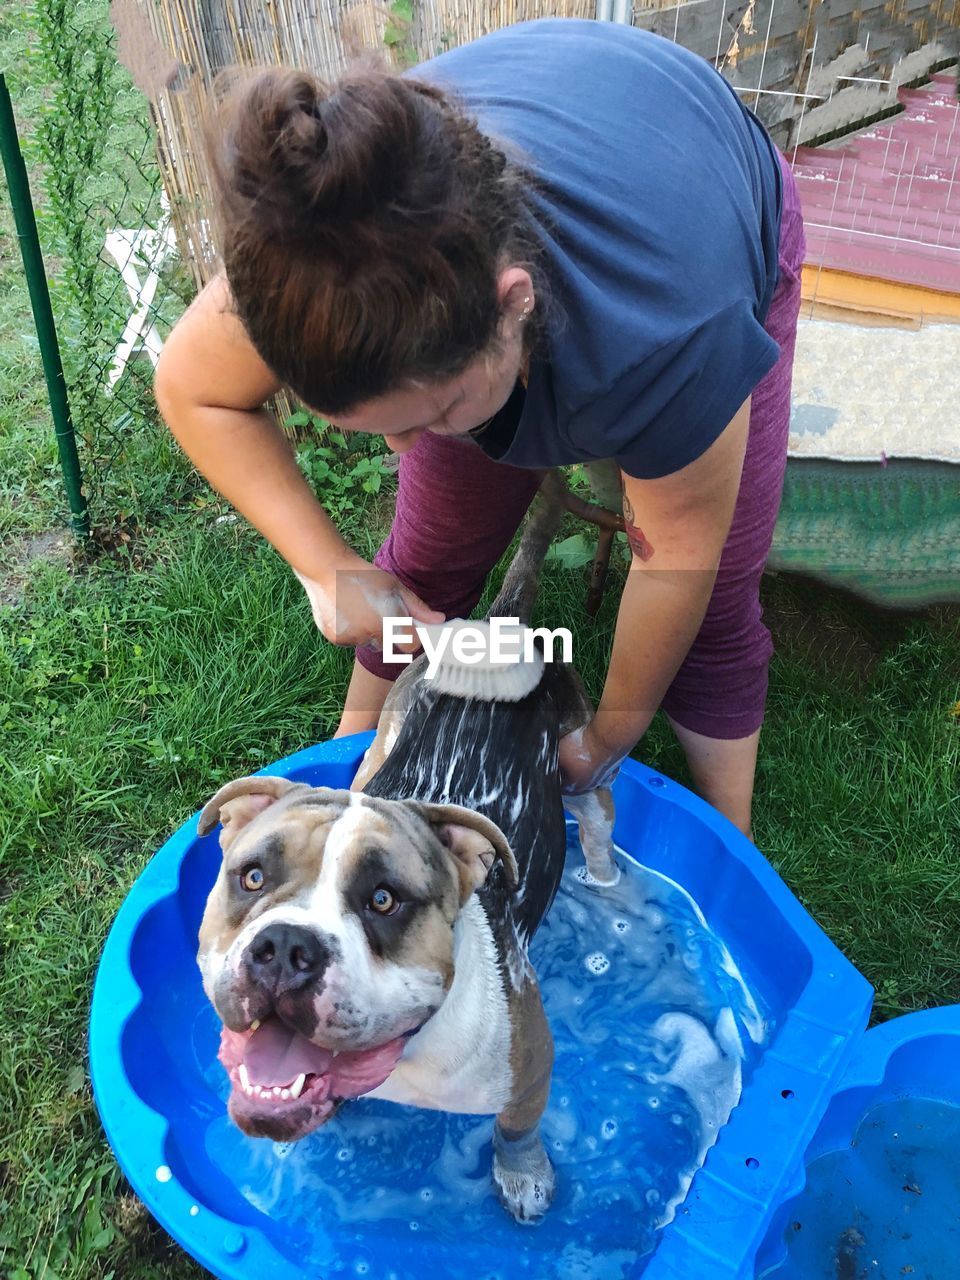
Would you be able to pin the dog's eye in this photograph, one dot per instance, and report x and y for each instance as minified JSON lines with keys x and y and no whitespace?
{"x":383,"y":901}
{"x":252,"y":879}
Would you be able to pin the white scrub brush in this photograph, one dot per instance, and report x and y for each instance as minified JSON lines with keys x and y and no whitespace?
{"x":466,"y":659}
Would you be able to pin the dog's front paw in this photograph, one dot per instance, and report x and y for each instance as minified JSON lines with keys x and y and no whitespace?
{"x":523,"y":1176}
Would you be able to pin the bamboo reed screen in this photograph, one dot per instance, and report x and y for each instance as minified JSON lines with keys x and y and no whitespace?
{"x":175,"y":48}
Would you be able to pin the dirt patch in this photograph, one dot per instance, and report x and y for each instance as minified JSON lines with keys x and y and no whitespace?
{"x":839,"y":634}
{"x":124,"y":543}
{"x":16,"y":557}
{"x":145,"y":1243}
{"x":801,"y":627}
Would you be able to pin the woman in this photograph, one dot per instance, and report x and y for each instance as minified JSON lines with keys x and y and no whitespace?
{"x":565,"y":241}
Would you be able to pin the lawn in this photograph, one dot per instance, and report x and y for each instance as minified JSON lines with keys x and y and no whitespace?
{"x":133,"y":681}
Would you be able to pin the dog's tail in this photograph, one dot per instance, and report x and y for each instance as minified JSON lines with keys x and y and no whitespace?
{"x":518,"y":594}
{"x":486,"y":676}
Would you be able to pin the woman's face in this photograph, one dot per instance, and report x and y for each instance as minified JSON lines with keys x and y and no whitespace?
{"x":460,"y":404}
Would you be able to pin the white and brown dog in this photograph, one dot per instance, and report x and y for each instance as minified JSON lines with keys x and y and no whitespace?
{"x":375,"y":941}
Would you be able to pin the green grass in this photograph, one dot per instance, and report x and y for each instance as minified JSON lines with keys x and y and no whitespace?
{"x":132,"y":683}
{"x":857,"y":802}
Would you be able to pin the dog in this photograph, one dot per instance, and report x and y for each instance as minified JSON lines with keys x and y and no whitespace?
{"x":374,"y":941}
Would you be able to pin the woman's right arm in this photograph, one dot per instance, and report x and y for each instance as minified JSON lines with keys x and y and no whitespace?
{"x":211,"y":386}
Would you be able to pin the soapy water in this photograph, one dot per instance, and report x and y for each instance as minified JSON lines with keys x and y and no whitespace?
{"x":653,"y":1028}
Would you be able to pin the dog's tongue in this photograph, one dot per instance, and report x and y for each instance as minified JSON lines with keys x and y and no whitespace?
{"x":276,"y":1054}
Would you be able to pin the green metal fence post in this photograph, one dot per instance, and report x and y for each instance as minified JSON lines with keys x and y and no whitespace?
{"x":26,"y":224}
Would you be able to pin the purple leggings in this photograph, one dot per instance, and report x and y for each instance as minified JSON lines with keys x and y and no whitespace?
{"x":457,"y":511}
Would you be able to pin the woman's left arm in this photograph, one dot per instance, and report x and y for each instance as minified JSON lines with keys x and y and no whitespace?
{"x":676,"y":527}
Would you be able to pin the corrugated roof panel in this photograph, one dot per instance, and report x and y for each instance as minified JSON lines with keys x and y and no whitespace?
{"x":886,"y":202}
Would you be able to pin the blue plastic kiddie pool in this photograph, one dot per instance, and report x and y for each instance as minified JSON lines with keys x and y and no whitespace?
{"x":882,"y":1192}
{"x":251,"y":1210}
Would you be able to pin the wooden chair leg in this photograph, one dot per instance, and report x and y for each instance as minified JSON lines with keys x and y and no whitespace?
{"x":608,"y":523}
{"x":598,"y":571}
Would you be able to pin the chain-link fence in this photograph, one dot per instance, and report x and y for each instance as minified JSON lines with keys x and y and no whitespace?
{"x":123,"y":217}
{"x":116,"y":279}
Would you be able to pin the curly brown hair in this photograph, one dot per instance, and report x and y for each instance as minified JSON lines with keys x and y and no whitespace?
{"x":363,"y":225}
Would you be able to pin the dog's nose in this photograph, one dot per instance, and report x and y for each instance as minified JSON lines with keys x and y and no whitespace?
{"x":286,"y":957}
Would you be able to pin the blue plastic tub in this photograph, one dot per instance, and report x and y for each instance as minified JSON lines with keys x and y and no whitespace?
{"x":882,"y":1174}
{"x":153,"y":1044}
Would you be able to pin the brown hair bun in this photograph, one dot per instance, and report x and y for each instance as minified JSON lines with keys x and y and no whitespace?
{"x":363,"y":225}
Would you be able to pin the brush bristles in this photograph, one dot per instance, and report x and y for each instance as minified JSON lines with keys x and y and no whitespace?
{"x":481,"y":678}
{"x":487,"y":682}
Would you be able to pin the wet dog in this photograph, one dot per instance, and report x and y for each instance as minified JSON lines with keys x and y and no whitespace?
{"x":374,"y":941}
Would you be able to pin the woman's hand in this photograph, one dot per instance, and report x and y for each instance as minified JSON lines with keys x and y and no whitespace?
{"x":586,"y":762}
{"x":350,"y":603}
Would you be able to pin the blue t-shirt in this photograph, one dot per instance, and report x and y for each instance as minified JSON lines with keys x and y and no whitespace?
{"x":657,"y":205}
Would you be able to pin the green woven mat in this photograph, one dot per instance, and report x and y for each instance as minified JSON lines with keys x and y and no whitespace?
{"x":890,"y":533}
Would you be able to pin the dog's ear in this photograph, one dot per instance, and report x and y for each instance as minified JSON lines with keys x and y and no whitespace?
{"x":474,"y":842}
{"x":239,"y":802}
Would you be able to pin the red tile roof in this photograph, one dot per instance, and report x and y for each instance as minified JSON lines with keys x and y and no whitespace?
{"x":886,"y":202}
